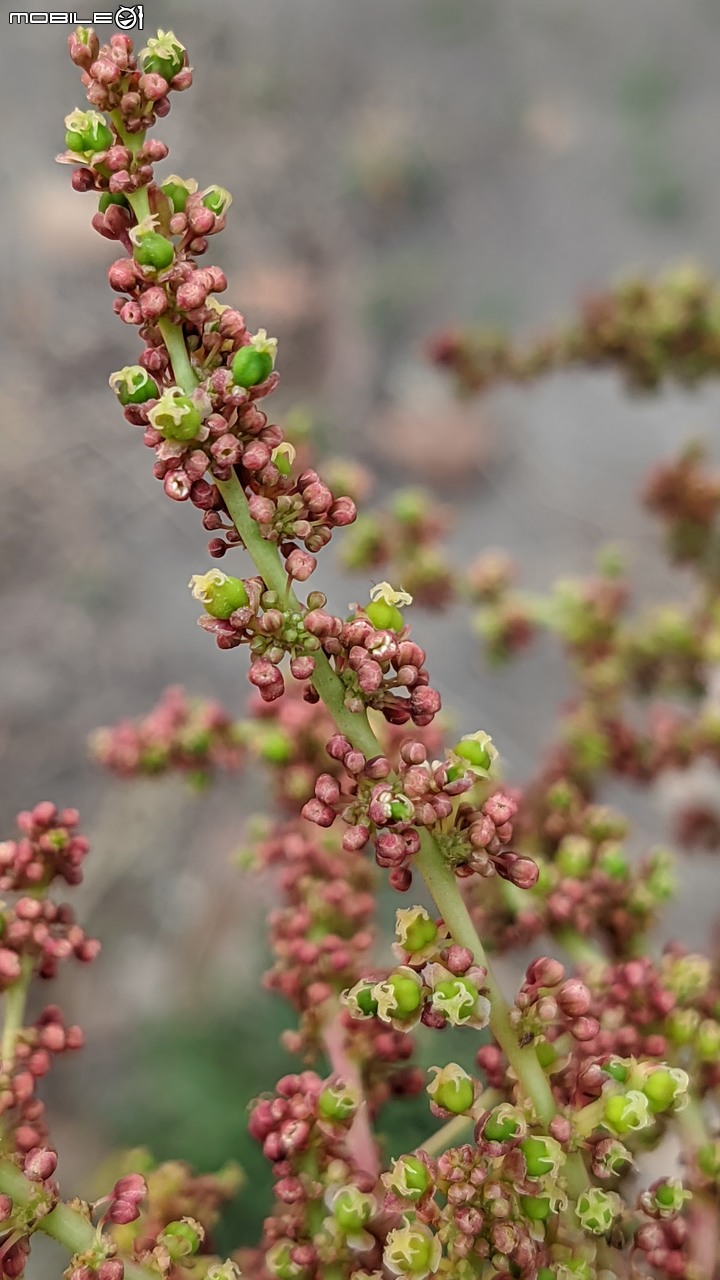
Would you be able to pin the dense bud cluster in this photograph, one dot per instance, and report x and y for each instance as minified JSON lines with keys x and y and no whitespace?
{"x":193,"y":735}
{"x":647,"y":330}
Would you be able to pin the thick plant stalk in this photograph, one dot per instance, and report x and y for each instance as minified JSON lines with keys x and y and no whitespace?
{"x":69,"y":1227}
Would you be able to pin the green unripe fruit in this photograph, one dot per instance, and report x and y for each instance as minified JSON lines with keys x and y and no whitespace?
{"x":112,"y":197}
{"x":536,"y":1208}
{"x":384,"y":616}
{"x":708,"y":1158}
{"x":351,"y":1209}
{"x":176,"y":416}
{"x":419,"y":934}
{"x":337,"y":1103}
{"x":223,"y":598}
{"x":164,"y":56}
{"x":546,"y":1053}
{"x":418,"y":1256}
{"x":417,"y":1176}
{"x":154,"y":251}
{"x":88,"y":134}
{"x":181,"y":1239}
{"x":251,"y":367}
{"x":614,"y":863}
{"x":497,"y":1130}
{"x":410,"y":505}
{"x":474,"y":752}
{"x":545,"y":1273}
{"x":452,"y":987}
{"x":624,"y":1113}
{"x":401,"y":810}
{"x":276,"y":747}
{"x":217,"y":200}
{"x":367,"y":1002}
{"x":618,"y":1070}
{"x":537,"y":1159}
{"x":408,"y":994}
{"x":280,"y":1264}
{"x":665,"y":1196}
{"x":133,"y":385}
{"x":660,"y":1089}
{"x":456,"y":1096}
{"x":177,"y":194}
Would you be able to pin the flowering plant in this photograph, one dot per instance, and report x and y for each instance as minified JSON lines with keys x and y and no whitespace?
{"x":553,"y":1160}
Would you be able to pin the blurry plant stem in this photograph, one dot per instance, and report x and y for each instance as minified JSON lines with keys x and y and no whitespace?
{"x":15,"y":1000}
{"x":69,"y":1227}
{"x":360,"y":1138}
{"x":445,"y":1137}
{"x":581,"y":950}
{"x":430,"y":862}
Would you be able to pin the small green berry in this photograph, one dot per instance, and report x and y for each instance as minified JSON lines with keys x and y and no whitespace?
{"x":351,"y":1209}
{"x":474,"y":752}
{"x":155,"y":251}
{"x":538,"y":1159}
{"x":164,"y":55}
{"x":276,"y":747}
{"x":217,"y":200}
{"x":87,"y":133}
{"x":112,"y":197}
{"x":176,"y":416}
{"x":407,"y":994}
{"x":182,"y":1238}
{"x":384,"y":616}
{"x":416,"y":1175}
{"x":401,"y":810}
{"x":661,"y":1089}
{"x":453,"y":1090}
{"x":618,"y":1070}
{"x":419,"y":934}
{"x":251,"y":367}
{"x":177,"y":191}
{"x":338,"y":1103}
{"x":133,"y":385}
{"x":536,"y":1208}
{"x":220,"y":594}
{"x":500,"y":1130}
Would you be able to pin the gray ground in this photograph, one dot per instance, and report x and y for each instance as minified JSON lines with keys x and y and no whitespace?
{"x":396,"y":165}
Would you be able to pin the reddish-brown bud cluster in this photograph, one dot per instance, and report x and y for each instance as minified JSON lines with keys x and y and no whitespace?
{"x":49,"y":848}
{"x":180,"y":733}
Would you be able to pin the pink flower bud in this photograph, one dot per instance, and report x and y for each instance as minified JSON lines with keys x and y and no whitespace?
{"x":315,"y":811}
{"x":574,"y":998}
{"x":40,"y":1164}
{"x":153,"y":302}
{"x":545,"y":972}
{"x":300,"y":565}
{"x":302,"y":667}
{"x":123,"y":275}
{"x":153,"y":86}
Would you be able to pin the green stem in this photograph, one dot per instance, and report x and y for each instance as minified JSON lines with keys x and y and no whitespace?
{"x":138,"y":200}
{"x":447,"y":1136}
{"x":15,"y":1001}
{"x":353,"y":724}
{"x":580,"y":949}
{"x":67,"y":1226}
{"x":173,"y":338}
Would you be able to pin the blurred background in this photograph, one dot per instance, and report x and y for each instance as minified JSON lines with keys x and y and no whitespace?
{"x":395,"y":167}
